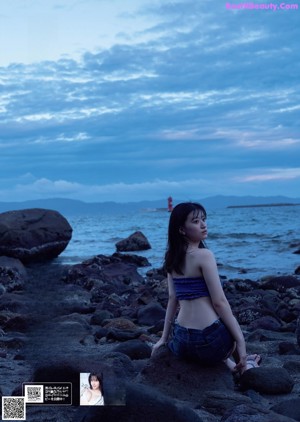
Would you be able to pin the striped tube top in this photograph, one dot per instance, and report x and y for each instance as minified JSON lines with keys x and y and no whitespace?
{"x":190,"y":288}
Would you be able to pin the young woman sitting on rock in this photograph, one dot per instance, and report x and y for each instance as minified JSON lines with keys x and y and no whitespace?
{"x":205,"y":329}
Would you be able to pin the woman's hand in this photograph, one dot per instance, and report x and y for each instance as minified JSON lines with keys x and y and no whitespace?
{"x":157,"y":345}
{"x":242,"y":354}
{"x":241,"y":365}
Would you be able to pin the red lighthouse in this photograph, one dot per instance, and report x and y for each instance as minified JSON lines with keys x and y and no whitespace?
{"x":170,"y":204}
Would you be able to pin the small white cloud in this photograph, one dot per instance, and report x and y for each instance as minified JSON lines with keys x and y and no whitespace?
{"x":274,"y":174}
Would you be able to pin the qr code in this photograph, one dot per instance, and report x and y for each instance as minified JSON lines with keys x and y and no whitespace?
{"x":34,"y":393}
{"x":13,"y":408}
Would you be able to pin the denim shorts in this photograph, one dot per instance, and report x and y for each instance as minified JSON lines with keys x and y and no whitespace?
{"x":207,"y":347}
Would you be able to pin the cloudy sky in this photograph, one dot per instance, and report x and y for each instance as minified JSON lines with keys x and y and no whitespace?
{"x":141,"y":99}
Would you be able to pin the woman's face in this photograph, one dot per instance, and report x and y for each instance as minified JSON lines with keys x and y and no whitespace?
{"x":195,"y":228}
{"x":95,"y":383}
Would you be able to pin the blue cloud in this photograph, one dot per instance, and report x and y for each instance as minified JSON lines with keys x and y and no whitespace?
{"x":208,"y":94}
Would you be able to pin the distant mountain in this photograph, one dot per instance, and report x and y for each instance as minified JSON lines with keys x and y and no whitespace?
{"x":75,"y":207}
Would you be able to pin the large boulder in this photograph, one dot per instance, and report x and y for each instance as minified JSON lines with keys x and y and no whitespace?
{"x":135,"y":242}
{"x":33,"y":234}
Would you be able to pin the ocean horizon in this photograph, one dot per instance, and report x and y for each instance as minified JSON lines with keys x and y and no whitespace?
{"x":248,"y":242}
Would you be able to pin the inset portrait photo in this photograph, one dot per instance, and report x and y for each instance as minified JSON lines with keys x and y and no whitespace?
{"x":91,"y":389}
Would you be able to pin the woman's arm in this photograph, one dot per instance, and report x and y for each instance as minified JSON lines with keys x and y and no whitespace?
{"x":220,"y":302}
{"x":170,"y":315}
{"x":85,"y":397}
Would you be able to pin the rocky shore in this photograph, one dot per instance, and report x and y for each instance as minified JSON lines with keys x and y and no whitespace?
{"x":103,"y":316}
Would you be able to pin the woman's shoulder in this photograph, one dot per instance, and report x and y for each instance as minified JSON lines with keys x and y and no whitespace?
{"x":205,"y":253}
{"x":87,"y":393}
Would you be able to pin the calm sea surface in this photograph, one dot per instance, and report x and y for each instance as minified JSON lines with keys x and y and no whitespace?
{"x":259,"y":240}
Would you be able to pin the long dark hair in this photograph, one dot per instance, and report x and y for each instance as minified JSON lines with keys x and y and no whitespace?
{"x":99,"y":377}
{"x":177,"y":244}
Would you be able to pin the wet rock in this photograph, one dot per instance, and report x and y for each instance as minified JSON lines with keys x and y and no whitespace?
{"x":33,"y":234}
{"x":135,"y":242}
{"x":267,"y":380}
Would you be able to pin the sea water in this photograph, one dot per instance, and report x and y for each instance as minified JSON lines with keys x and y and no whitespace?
{"x":247,"y":242}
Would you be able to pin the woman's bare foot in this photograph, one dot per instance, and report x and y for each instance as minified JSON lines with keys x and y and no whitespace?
{"x":252,"y":361}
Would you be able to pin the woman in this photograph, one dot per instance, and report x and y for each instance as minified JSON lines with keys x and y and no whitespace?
{"x":205,"y":329}
{"x":93,"y":396}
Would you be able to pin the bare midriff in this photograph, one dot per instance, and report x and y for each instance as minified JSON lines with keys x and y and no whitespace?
{"x":196,"y":313}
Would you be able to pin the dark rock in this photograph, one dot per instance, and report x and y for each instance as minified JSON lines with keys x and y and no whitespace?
{"x":12,"y":342}
{"x":158,"y":327}
{"x":143,"y":403}
{"x":104,"y":275}
{"x":281,"y":284}
{"x":13,"y":274}
{"x":18,"y":323}
{"x":290,"y":408}
{"x":135,"y":242}
{"x":16,"y":303}
{"x":99,"y":316}
{"x":150,"y":314}
{"x":167,"y":373}
{"x":246,"y":413}
{"x":297,"y":270}
{"x":139,"y":261}
{"x":135,"y":349}
{"x":15,"y":264}
{"x":266,"y":323}
{"x":245,"y":315}
{"x":217,"y":402}
{"x":101,"y":332}
{"x":33,"y":234}
{"x":298,"y":331}
{"x":76,"y":300}
{"x":285,"y":314}
{"x":120,"y":323}
{"x":288,"y":348}
{"x":267,"y":380}
{"x":123,"y":335}
{"x":116,"y":369}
